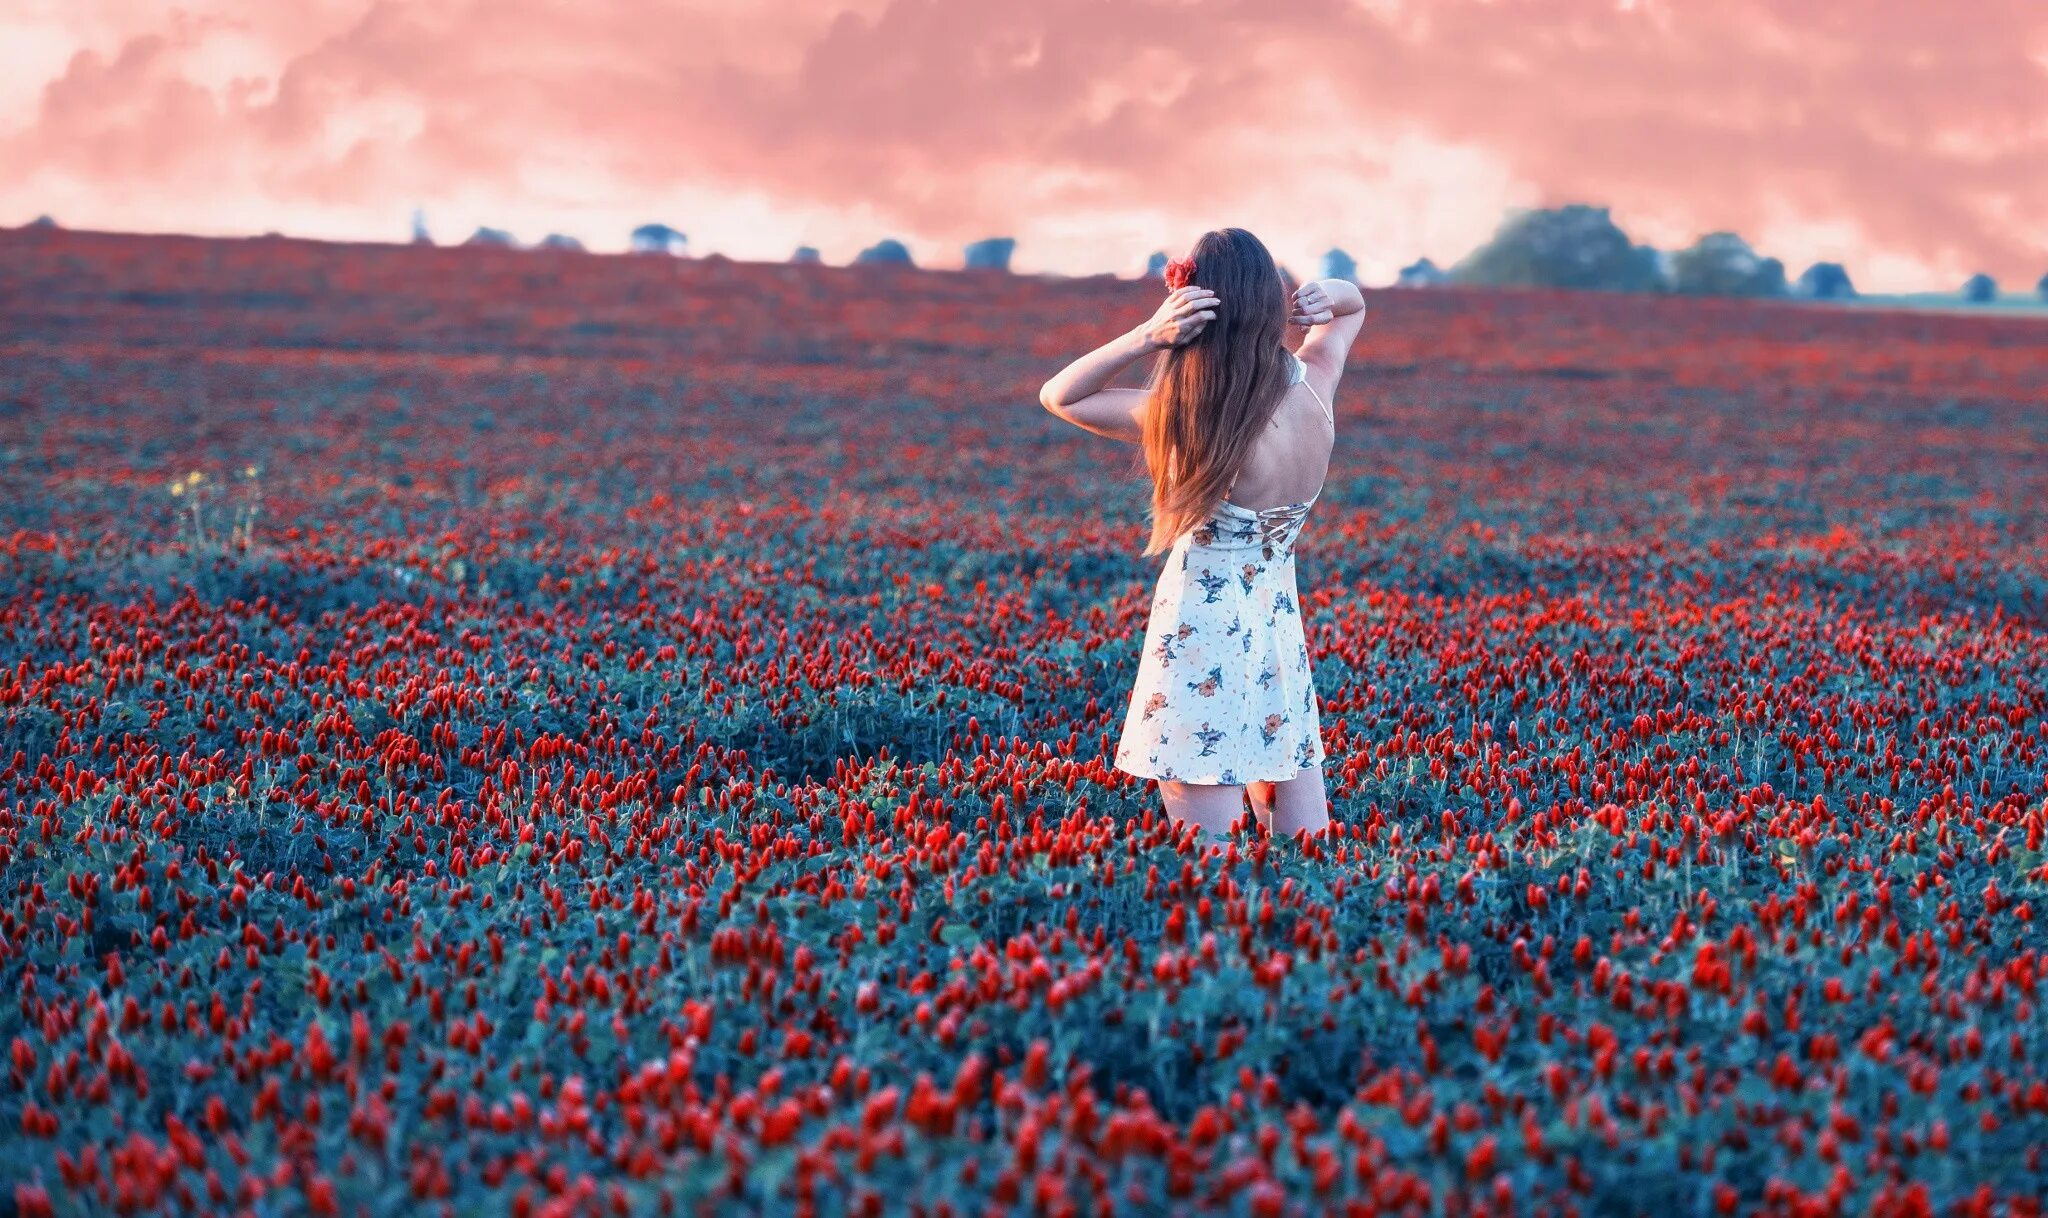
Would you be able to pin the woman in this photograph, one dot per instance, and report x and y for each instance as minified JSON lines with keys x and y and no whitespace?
{"x":1236,"y":434}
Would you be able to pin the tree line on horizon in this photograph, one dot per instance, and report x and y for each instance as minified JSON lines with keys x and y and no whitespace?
{"x":1575,"y":246}
{"x":1580,"y":246}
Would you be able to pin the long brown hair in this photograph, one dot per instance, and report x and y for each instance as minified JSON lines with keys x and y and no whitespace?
{"x":1209,"y":399}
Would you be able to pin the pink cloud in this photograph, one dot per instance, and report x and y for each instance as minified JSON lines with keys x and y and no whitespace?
{"x":1908,"y":130}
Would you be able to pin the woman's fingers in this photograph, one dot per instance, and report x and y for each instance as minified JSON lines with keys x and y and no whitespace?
{"x":1188,"y":310}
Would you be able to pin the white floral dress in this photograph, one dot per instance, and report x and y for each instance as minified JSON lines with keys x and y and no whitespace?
{"x":1224,"y":694}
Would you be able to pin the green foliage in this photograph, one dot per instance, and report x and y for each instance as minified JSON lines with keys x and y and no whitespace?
{"x":1722,"y":264}
{"x":1575,"y":246}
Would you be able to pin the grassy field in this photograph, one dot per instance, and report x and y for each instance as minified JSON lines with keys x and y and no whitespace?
{"x":2009,"y":304}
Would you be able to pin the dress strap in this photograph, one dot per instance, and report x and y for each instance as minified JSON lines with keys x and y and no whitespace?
{"x":1327,"y":413}
{"x":1301,"y":375}
{"x":1300,"y":378}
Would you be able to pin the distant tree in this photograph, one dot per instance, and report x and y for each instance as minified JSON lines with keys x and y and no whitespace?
{"x":43,"y":221}
{"x":492,"y":236}
{"x":805,"y":255}
{"x":1575,"y":246}
{"x":1826,"y":281}
{"x":1722,"y":264}
{"x":659,"y":239}
{"x":420,"y":235}
{"x":2041,"y":288}
{"x":1155,"y":264}
{"x":991,"y":254}
{"x":886,"y":252}
{"x":1422,"y":273}
{"x":1339,"y":265}
{"x":1659,"y":262}
{"x":561,"y":241}
{"x":1980,"y":289}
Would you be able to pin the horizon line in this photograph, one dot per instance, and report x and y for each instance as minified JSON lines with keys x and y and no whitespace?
{"x":2019,"y":300}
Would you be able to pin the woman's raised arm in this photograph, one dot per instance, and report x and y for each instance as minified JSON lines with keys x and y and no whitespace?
{"x":1079,"y":393}
{"x":1334,"y":311}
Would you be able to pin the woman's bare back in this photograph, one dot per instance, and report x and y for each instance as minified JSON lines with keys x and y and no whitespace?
{"x":1287,"y":464}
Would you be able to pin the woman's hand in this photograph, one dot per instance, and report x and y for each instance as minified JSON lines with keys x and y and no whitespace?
{"x":1311,"y":305}
{"x":1181,"y":317}
{"x":1320,"y":302}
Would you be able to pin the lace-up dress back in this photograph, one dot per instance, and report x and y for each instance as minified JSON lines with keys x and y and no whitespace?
{"x":1223,"y":693}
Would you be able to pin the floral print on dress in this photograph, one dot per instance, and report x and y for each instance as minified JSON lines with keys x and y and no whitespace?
{"x":1169,"y":645}
{"x":1224,"y":692}
{"x":1308,"y":753}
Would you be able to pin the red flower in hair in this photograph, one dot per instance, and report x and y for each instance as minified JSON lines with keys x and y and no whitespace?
{"x":1180,"y":273}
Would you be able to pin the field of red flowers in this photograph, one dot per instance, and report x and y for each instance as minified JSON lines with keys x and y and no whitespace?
{"x":489,"y":731}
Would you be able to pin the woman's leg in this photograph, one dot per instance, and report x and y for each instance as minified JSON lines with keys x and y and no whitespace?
{"x":1212,"y":809}
{"x":1260,"y":795}
{"x":1299,"y":804}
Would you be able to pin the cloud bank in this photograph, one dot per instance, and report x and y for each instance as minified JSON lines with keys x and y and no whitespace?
{"x":1902,"y":138}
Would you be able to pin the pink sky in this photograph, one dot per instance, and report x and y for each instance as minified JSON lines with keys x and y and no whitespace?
{"x":1905,"y":138}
